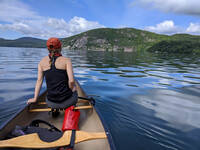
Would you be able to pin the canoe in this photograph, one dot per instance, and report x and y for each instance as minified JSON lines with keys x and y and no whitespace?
{"x":90,"y":121}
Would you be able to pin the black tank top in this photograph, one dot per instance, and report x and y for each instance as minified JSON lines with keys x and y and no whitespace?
{"x":57,"y":84}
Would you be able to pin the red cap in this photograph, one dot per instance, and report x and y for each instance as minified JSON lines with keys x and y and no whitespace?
{"x":53,"y":43}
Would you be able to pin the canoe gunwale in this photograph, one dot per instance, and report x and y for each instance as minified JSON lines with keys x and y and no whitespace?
{"x":105,"y":126}
{"x":19,"y":112}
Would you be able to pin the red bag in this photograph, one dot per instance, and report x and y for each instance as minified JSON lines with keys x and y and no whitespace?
{"x":71,"y":119}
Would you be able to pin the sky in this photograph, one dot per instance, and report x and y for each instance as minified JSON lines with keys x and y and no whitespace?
{"x":64,"y":18}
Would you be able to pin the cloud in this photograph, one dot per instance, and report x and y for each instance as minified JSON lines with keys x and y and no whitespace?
{"x":165,"y":27}
{"x":29,"y":23}
{"x":14,"y":10}
{"x":168,"y":27}
{"x":189,"y":7}
{"x":48,"y":27}
{"x":194,"y":28}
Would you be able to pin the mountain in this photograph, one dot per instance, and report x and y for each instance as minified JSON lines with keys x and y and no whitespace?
{"x":23,"y":42}
{"x":128,"y":39}
{"x":124,"y":39}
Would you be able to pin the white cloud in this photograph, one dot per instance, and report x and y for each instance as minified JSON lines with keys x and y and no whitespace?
{"x":190,"y":7}
{"x":78,"y":23}
{"x":29,"y":23}
{"x":165,"y":27}
{"x":194,"y":28}
{"x":14,"y":10}
{"x":168,"y":27}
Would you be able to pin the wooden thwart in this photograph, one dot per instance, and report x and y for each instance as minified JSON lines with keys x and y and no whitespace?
{"x":33,"y":140}
{"x":49,"y":109}
{"x":41,"y":103}
{"x":79,"y":101}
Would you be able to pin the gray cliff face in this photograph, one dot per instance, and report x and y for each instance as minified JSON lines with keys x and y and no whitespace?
{"x":80,"y":43}
{"x":83,"y":43}
{"x":124,"y":39}
{"x":106,"y":39}
{"x":100,"y":41}
{"x":92,"y":44}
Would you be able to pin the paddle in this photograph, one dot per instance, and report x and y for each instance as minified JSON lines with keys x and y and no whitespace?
{"x":33,"y":140}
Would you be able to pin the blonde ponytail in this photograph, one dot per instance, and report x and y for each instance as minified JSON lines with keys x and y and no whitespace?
{"x":51,"y":57}
{"x":52,"y":53}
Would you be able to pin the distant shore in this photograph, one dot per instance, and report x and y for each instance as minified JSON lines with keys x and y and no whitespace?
{"x":125,"y":39}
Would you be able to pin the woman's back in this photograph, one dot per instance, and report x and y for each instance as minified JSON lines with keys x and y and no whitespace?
{"x":56,"y":78}
{"x":61,"y":63}
{"x":58,"y":71}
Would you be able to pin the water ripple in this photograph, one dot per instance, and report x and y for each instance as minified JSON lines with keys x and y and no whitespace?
{"x":150,"y":101}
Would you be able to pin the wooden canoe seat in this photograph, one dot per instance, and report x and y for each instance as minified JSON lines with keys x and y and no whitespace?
{"x":79,"y":101}
{"x":33,"y":140}
{"x":49,"y":109}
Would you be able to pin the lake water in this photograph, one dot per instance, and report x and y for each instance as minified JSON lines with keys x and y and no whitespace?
{"x":149,"y":101}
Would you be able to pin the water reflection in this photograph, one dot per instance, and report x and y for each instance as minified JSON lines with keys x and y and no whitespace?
{"x":174,"y":115}
{"x":148,"y":100}
{"x":177,"y":108}
{"x":163,"y":118}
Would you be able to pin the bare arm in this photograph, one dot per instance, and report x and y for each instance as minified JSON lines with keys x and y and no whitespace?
{"x":70,"y":74}
{"x":38,"y":85}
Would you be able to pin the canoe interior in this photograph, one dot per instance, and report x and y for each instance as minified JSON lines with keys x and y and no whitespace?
{"x":89,"y":121}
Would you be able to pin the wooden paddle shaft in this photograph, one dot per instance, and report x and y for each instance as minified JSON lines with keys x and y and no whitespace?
{"x":33,"y":140}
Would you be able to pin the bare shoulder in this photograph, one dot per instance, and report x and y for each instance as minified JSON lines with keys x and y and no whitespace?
{"x":66,"y":59}
{"x":43,"y":60}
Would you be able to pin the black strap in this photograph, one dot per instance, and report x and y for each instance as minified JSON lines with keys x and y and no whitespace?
{"x":36,"y":123}
{"x":91,"y":99}
{"x":72,"y":141}
{"x":53,"y":67}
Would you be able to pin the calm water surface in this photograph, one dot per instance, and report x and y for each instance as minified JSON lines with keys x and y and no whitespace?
{"x":150,"y":101}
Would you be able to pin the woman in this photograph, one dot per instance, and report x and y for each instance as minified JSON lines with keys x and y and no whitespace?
{"x":58,"y":72}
